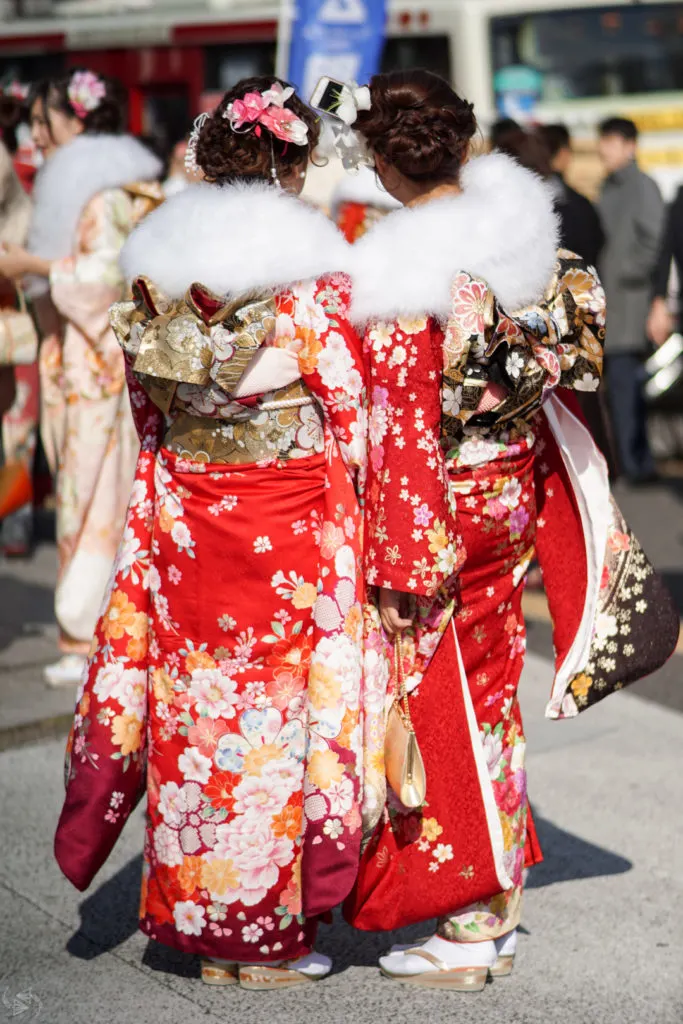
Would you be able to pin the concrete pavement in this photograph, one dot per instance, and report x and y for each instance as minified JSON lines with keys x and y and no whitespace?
{"x":602,"y":938}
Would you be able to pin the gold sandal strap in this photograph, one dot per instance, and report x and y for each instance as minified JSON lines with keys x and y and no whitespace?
{"x":430,"y":957}
{"x":272,"y":977}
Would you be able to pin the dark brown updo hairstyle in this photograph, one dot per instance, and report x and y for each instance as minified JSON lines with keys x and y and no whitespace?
{"x":224,"y":154}
{"x":418,"y":124}
{"x":108,"y":117}
{"x":12,"y":113}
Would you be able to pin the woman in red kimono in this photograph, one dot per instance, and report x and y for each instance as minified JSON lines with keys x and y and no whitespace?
{"x":358,"y":202}
{"x":225,"y":673}
{"x":456,"y":384}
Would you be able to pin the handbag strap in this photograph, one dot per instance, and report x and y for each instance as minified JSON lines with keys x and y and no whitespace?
{"x":401,"y":698}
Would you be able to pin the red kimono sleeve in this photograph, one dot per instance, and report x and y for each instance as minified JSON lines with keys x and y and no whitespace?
{"x":331,"y":364}
{"x":412,"y":541}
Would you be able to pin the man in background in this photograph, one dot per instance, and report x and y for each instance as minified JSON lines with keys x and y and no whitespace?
{"x":661,"y":324}
{"x":580,"y":223}
{"x":632,"y":214}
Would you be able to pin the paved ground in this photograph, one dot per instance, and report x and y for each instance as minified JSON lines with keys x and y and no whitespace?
{"x":603,"y":929}
{"x":602,"y":926}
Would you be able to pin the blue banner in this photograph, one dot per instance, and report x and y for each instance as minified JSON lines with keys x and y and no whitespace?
{"x":342,"y":39}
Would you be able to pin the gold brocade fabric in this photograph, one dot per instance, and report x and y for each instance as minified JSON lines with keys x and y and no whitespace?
{"x":557,"y":342}
{"x":254,"y":436}
{"x":190,"y":355}
{"x":202,"y":340}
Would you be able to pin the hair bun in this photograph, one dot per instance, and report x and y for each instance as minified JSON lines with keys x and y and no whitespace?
{"x":418,"y":124}
{"x":225,"y":155}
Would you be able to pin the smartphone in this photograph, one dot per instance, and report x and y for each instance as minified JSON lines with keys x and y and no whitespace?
{"x":328,"y":95}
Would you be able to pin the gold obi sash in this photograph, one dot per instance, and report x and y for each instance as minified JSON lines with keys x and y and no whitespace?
{"x":204,"y":352}
{"x":269,"y":430}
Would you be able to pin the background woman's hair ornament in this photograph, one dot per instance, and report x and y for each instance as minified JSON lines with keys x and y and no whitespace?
{"x":85,"y":91}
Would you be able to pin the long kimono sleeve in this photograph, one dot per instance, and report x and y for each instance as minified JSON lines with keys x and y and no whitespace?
{"x":331,"y":364}
{"x":412,"y":541}
{"x":85,"y":284}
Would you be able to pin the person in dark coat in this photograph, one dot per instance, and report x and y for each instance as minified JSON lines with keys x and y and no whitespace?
{"x":580,"y":227}
{"x":580,"y":232}
{"x":632,"y":213}
{"x":661,"y":324}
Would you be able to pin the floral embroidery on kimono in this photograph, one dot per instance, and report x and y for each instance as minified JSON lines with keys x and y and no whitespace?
{"x":412,"y":537}
{"x":245,"y":699}
{"x":485,"y":477}
{"x":99,"y":444}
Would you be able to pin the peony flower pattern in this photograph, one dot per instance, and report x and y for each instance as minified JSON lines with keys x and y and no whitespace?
{"x":236,"y":706}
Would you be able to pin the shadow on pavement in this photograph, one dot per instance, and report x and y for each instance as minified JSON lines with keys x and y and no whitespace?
{"x":109,"y":917}
{"x":568,"y":857}
{"x":25,"y":607}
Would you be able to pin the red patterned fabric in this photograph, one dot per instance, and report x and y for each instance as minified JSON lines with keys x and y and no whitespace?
{"x":352,"y":220}
{"x":452,"y":497}
{"x":226,"y":669}
{"x":411,"y":525}
{"x":558,"y":517}
{"x":428,"y":863}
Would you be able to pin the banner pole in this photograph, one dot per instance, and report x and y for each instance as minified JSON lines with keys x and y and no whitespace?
{"x":284,"y":38}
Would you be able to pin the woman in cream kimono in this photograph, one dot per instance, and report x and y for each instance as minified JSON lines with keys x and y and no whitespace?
{"x":86,"y":204}
{"x":475,"y":463}
{"x":225,"y":679}
{"x":18,"y":384}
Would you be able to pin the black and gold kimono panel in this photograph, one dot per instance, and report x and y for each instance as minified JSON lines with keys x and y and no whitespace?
{"x":636,"y":626}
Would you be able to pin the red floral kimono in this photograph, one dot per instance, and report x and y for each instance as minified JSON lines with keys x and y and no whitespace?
{"x":225,"y":674}
{"x":457,"y":503}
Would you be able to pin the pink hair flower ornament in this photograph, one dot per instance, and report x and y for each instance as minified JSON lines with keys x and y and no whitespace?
{"x":258,"y":110}
{"x":86,"y":91}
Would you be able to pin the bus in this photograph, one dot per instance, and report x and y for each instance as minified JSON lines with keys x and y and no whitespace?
{"x":575,"y":61}
{"x":579,"y":63}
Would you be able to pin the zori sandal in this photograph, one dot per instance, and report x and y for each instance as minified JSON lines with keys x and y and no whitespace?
{"x":506,"y":948}
{"x":219,"y":972}
{"x":464,"y":967}
{"x":289,"y":974}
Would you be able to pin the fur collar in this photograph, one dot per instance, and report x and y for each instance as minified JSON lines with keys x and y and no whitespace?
{"x":233,"y":239}
{"x":502,"y":228}
{"x":362,"y":187}
{"x":73,"y":176}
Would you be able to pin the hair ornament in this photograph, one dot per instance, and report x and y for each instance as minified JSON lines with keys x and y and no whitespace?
{"x":352,"y":98}
{"x":17,"y":90}
{"x":349,"y":144}
{"x":259,"y":110}
{"x":86,"y":90}
{"x":190,"y":161}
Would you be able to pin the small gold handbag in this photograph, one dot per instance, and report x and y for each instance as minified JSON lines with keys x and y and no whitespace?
{"x":404,"y":766}
{"x":18,"y":335}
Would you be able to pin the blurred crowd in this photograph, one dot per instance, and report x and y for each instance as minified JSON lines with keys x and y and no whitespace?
{"x":63,"y":220}
{"x":634,"y":242}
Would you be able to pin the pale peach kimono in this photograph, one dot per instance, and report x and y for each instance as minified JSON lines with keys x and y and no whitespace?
{"x":92,"y":425}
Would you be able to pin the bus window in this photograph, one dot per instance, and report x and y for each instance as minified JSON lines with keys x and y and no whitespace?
{"x":593,"y":52}
{"x":403,"y":52}
{"x":227,"y":63}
